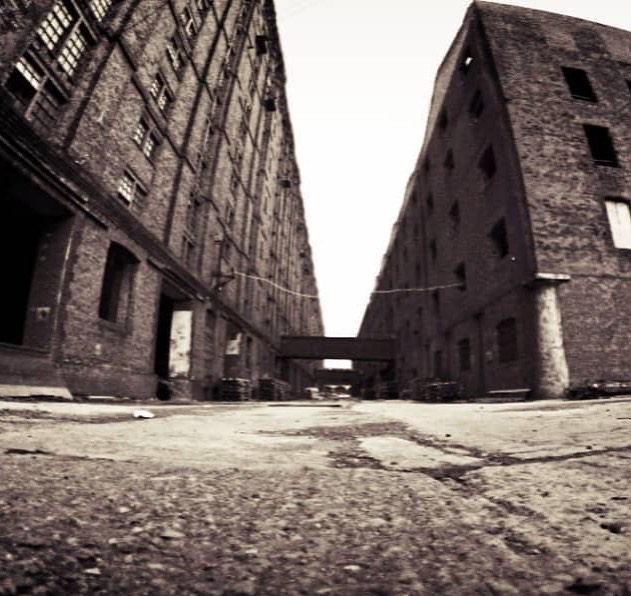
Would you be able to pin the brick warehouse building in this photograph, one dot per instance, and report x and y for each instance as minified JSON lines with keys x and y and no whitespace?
{"x":151,"y":214}
{"x":515,"y":224}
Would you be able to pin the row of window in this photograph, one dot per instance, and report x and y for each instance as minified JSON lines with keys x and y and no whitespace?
{"x":41,"y":76}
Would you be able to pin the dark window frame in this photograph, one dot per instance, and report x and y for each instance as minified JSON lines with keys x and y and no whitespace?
{"x":601,"y":145}
{"x":476,"y":105}
{"x":117,"y":284}
{"x":449,"y":162}
{"x":460,"y":272}
{"x":578,"y":83}
{"x":498,"y":235}
{"x":507,"y":340}
{"x":464,"y":354}
{"x":487,"y":164}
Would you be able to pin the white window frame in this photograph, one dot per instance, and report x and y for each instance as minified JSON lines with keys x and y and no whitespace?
{"x":146,"y":138}
{"x":175,"y":53}
{"x":619,"y":216}
{"x":72,"y":51}
{"x":100,"y":8}
{"x":129,"y":188}
{"x":160,"y":92}
{"x":55,"y":25}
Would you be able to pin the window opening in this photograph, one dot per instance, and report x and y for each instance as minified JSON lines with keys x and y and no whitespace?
{"x":54,"y":25}
{"x":433,"y":250}
{"x":507,"y":340}
{"x":464,"y":354}
{"x":47,"y":105}
{"x":117,"y":282}
{"x":449,"y":160}
{"x":25,"y":81}
{"x":467,"y":61}
{"x":203,"y":6}
{"x":578,"y":84}
{"x":130,"y":189}
{"x":99,"y":8}
{"x":499,"y":238}
{"x":454,"y":216}
{"x":601,"y":145}
{"x":619,"y":216}
{"x":160,"y":92}
{"x":188,"y":23}
{"x":487,"y":163}
{"x":260,"y":41}
{"x":436,"y":301}
{"x":443,"y":120}
{"x":72,"y":51}
{"x":174,"y":53}
{"x":476,"y":107}
{"x":461,"y":276}
{"x":438,"y":364}
{"x":145,"y":138}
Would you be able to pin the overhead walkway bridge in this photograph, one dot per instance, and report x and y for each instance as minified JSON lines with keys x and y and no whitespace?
{"x":337,"y":348}
{"x":381,"y":350}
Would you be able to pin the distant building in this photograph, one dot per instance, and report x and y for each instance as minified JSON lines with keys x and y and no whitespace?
{"x":151,"y":213}
{"x":516,"y":221}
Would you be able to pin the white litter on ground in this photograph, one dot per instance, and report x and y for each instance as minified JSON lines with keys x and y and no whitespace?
{"x":143,"y":414}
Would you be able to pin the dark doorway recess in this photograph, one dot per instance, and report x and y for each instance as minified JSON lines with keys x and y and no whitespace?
{"x":20,"y":235}
{"x":163,"y":340}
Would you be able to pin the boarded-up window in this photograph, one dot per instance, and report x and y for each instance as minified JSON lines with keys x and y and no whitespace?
{"x":619,"y":221}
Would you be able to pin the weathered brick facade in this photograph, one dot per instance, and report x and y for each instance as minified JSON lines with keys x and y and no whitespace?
{"x":147,"y":159}
{"x":528,"y":146}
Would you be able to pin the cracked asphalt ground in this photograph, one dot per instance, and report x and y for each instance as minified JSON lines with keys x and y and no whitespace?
{"x":347,"y":498}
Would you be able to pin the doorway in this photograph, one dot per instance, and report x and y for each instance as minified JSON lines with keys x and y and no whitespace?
{"x":163,"y":345}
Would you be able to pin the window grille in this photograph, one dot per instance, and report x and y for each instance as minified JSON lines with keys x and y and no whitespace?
{"x":174,"y":53}
{"x":99,"y":8}
{"x":72,"y":51}
{"x":54,"y":25}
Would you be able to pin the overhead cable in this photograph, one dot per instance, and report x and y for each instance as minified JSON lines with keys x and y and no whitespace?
{"x":430,"y":289}
{"x":281,"y":288}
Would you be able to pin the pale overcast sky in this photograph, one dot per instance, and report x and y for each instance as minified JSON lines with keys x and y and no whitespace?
{"x":360,"y":75}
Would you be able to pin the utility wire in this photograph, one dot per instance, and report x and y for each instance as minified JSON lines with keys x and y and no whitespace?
{"x":314,"y":296}
{"x":431,"y":289}
{"x":281,"y":288}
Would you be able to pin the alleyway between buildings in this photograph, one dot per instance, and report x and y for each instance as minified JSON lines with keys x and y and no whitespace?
{"x":340,"y":498}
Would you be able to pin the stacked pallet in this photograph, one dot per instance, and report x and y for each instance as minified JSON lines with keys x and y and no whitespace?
{"x":232,"y":389}
{"x":434,"y":390}
{"x":387,"y":390}
{"x":273,"y":390}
